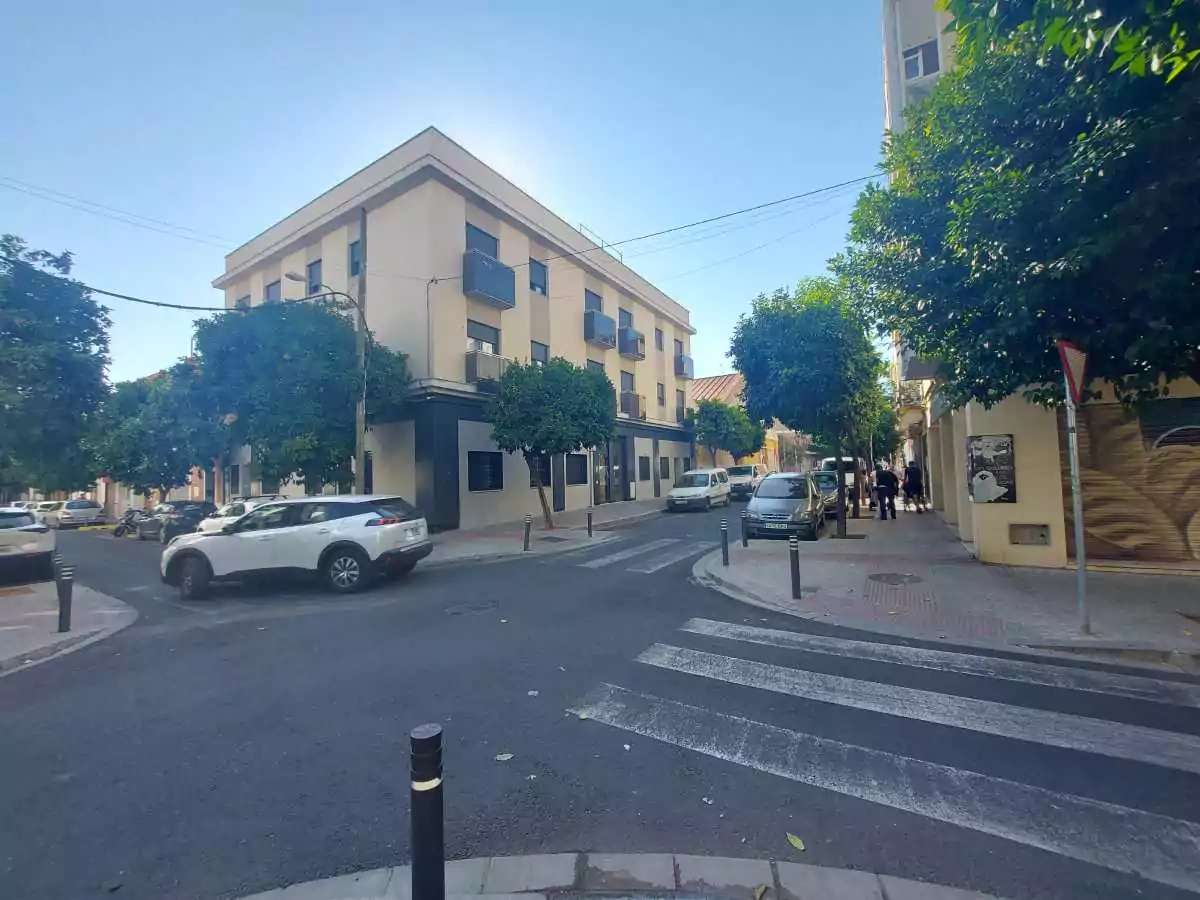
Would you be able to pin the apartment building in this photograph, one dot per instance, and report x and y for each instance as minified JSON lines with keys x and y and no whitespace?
{"x":463,"y":272}
{"x":1000,"y":476}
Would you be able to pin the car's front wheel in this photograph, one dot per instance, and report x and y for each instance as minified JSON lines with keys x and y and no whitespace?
{"x":194,"y":578}
{"x":346,"y":570}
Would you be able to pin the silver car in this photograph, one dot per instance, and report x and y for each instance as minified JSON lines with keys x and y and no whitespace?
{"x":785,"y":504}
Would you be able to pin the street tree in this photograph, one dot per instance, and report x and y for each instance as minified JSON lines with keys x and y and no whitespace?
{"x":541,"y":411}
{"x":53,"y":353}
{"x":285,"y":379}
{"x":808,"y":361}
{"x":1032,"y":203}
{"x":723,"y":426}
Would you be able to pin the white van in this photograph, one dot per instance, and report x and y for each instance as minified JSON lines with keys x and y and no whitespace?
{"x":700,"y":489}
{"x":852,"y":467}
{"x":744,"y":480}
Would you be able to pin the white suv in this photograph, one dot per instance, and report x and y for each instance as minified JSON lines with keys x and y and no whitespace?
{"x":348,"y":540}
{"x":24,"y":540}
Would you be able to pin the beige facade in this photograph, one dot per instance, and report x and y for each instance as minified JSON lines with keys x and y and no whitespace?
{"x":452,"y":258}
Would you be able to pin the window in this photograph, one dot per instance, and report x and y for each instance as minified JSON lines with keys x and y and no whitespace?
{"x":679,"y":399}
{"x":594,"y":366}
{"x":627,"y":382}
{"x":485,"y":470}
{"x":312,"y":513}
{"x":355,"y":258}
{"x":266,"y":518}
{"x":14,"y":519}
{"x":921,"y":60}
{"x":723,"y":477}
{"x":592,"y":300}
{"x":368,"y":473}
{"x":784,"y":489}
{"x":658,"y":339}
{"x":543,"y":468}
{"x":232,"y":510}
{"x":539,"y":353}
{"x":624,"y":318}
{"x":273,"y":292}
{"x":483,"y":337}
{"x":478,"y":239}
{"x":664,"y":468}
{"x":538,"y":277}
{"x":313,"y":271}
{"x":678,"y":347}
{"x":242,"y":302}
{"x":662,"y":394}
{"x":577,"y":466}
{"x":643,"y":468}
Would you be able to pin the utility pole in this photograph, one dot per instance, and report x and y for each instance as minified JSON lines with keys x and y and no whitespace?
{"x":360,"y":409}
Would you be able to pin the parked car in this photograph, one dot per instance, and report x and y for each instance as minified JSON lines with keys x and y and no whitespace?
{"x":74,"y":513}
{"x":785,"y":504}
{"x":854,"y":468}
{"x":168,"y":520}
{"x":232,"y":511}
{"x":26,"y":542}
{"x":348,"y":540}
{"x":826,"y":483}
{"x":699,"y":489}
{"x":42,"y":512}
{"x":743,"y":480}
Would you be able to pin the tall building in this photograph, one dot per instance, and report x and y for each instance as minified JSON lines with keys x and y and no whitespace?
{"x":462,"y":271}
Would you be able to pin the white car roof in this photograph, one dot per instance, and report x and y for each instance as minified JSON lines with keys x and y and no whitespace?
{"x":703,"y":471}
{"x":339,"y":498}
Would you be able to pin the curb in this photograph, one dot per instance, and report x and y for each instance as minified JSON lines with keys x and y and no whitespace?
{"x":657,"y":874}
{"x":36,"y":657}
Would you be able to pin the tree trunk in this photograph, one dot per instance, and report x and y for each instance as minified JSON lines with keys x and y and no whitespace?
{"x":856,"y":501}
{"x":535,"y":470}
{"x":712,"y":455}
{"x":841,"y":489}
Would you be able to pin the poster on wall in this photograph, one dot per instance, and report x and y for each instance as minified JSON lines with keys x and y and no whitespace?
{"x":991,"y":468}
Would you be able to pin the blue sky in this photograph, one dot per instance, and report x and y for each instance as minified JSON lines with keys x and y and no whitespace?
{"x":628,"y":117}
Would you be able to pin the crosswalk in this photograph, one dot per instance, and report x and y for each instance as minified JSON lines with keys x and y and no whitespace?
{"x":1144,"y":842}
{"x":638,"y":558}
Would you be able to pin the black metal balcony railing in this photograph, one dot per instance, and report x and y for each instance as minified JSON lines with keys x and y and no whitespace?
{"x":911,"y":394}
{"x":633,"y":405}
{"x":484,"y":370}
{"x":599,"y":329}
{"x":684,"y":367}
{"x":682,"y":414}
{"x":632,"y":343}
{"x":487,"y":279}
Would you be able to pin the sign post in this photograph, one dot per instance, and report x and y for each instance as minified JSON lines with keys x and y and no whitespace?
{"x":1073,"y":362}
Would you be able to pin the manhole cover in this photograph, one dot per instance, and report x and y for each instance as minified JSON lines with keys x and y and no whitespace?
{"x":895,"y":578}
{"x":552,"y":538}
{"x":466,"y":609}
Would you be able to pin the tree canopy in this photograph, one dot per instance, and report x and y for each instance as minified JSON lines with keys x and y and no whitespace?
{"x":555,"y":408}
{"x":723,"y":426}
{"x":53,"y":353}
{"x":1031,"y":203}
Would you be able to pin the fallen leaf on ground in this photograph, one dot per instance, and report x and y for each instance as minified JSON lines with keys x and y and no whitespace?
{"x":795,"y":841}
{"x":626,"y":746}
{"x":759,"y":890}
{"x":532,"y":693}
{"x":503,"y":757}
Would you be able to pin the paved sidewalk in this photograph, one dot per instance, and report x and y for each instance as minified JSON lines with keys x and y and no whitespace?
{"x":29,"y":623}
{"x":656,"y":874}
{"x":913,"y":577}
{"x":507,"y":539}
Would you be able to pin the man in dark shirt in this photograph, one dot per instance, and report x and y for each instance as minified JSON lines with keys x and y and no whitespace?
{"x":914,"y":486}
{"x":886,"y":485}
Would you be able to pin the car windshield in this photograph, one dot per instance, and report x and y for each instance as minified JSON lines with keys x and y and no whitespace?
{"x":395,"y":507}
{"x":692,"y":480}
{"x":81,"y":504}
{"x":741,"y":470}
{"x":826,"y":481}
{"x":783,"y":489}
{"x":14,"y":519}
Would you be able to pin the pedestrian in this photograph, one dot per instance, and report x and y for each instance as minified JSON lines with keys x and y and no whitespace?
{"x":914,"y":484}
{"x":886,"y":485}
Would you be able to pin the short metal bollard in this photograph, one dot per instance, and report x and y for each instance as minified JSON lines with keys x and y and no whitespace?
{"x":589,"y":523}
{"x":64,"y":583}
{"x":528,"y":525}
{"x":427,"y":823}
{"x":794,"y":562}
{"x":724,"y":542}
{"x":745,"y":533}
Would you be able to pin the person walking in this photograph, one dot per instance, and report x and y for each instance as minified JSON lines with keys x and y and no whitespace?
{"x":886,"y":485}
{"x":914,"y":484}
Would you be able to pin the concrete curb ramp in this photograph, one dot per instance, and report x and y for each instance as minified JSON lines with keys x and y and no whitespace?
{"x":651,"y":873}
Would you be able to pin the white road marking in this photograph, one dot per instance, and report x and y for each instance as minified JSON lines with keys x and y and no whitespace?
{"x":1155,"y":847}
{"x":1048,"y":674}
{"x":672,"y":556}
{"x":1134,"y":742}
{"x":628,"y":553}
{"x":551,"y":558}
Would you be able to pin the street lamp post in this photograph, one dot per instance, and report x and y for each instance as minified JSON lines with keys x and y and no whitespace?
{"x":360,"y":408}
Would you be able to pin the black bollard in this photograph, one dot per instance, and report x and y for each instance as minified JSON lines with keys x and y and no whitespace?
{"x":64,"y":583}
{"x":724,"y":542}
{"x":528,"y":525}
{"x":794,"y":560}
{"x":745,"y":534}
{"x":428,"y":838}
{"x":589,"y":523}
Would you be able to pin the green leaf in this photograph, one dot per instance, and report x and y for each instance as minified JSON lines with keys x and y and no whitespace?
{"x":795,"y":841}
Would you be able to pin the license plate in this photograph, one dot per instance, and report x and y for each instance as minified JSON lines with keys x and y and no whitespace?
{"x":782,"y":526}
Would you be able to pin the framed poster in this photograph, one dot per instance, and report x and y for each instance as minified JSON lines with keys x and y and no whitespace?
{"x":991,"y":468}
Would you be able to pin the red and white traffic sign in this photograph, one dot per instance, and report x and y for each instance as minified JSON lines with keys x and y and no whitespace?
{"x":1073,"y":362}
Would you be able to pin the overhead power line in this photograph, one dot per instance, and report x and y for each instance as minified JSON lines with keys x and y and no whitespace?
{"x":159,"y":303}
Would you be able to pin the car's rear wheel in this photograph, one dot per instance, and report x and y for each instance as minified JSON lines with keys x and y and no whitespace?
{"x":346,"y":570}
{"x":194,"y":578}
{"x":707,"y":503}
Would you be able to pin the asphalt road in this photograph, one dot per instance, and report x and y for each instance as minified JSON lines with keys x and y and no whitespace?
{"x":260,"y":738}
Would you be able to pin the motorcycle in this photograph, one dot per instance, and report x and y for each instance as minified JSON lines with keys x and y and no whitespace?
{"x":128,"y":522}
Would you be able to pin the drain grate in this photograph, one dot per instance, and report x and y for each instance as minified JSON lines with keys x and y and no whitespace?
{"x":895,"y":579}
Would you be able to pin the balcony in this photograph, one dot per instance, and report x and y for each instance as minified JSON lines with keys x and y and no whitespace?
{"x":684,"y":367}
{"x":484,"y":370}
{"x":911,"y":395}
{"x":599,"y":330}
{"x":489,"y":280}
{"x":633,"y":405}
{"x":632,"y":343}
{"x":682,"y":414}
